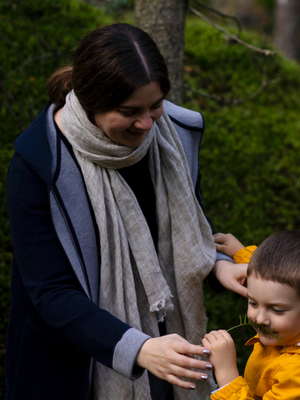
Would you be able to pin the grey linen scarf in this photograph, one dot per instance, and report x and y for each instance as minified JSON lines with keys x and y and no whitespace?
{"x":139,"y":285}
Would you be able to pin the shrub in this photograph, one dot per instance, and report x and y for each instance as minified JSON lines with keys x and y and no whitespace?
{"x":249,"y":156}
{"x":36,"y":39}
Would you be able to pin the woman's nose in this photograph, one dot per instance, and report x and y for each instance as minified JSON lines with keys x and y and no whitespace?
{"x":144,"y":123}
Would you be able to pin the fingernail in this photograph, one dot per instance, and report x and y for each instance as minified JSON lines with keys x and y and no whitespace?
{"x":208,"y":366}
{"x":204,"y":377}
{"x":206,"y":352}
{"x":192,"y":387}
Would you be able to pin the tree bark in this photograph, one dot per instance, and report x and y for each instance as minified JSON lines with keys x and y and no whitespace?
{"x":287,"y":28}
{"x":164,"y":20}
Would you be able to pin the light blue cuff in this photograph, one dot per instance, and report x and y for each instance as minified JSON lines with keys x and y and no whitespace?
{"x":126,"y":352}
{"x":222,"y":256}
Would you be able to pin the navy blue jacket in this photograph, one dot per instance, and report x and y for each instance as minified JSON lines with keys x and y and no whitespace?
{"x":56,"y":327}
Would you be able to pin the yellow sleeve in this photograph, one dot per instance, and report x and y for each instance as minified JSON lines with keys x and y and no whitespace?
{"x":283,"y":384}
{"x":243,"y":256}
{"x":235,"y":390}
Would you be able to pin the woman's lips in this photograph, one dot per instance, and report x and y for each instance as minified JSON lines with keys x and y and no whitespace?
{"x":135,"y":133}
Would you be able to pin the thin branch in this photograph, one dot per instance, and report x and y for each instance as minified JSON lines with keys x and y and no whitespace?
{"x":215,"y":97}
{"x":260,"y":89}
{"x":39,"y":57}
{"x":11,"y":110}
{"x":221,"y":14}
{"x":231,"y":101}
{"x":233,"y":37}
{"x":7,"y":39}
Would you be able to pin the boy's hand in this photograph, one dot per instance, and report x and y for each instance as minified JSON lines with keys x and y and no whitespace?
{"x":227,"y":243}
{"x":223,"y":356}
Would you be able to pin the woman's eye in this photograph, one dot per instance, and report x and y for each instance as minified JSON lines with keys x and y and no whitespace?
{"x":156,"y":106}
{"x":127,"y":113}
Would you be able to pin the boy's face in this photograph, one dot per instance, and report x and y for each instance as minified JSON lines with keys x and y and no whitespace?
{"x":275,"y":305}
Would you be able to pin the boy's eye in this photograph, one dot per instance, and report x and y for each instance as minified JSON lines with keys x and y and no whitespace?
{"x":278,"y":311}
{"x":252,"y":303}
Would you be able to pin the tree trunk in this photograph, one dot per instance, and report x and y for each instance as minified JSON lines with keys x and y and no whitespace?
{"x":287,"y":27}
{"x":164,"y":20}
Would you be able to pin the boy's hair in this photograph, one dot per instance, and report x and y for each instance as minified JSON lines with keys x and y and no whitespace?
{"x":277,"y":259}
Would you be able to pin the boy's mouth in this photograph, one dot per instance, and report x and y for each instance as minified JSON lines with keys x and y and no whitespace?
{"x":264,"y":330}
{"x":267,"y":332}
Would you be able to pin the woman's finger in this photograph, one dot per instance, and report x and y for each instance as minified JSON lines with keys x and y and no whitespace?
{"x":175,"y":380}
{"x":219,"y":237}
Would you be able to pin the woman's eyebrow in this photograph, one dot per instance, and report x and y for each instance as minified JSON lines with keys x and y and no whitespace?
{"x":135,"y":108}
{"x":159,"y":100}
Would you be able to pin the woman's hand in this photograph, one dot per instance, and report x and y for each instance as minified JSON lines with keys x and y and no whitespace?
{"x":232,"y":276}
{"x":223,"y":356}
{"x":227,"y":243}
{"x":171,"y":357}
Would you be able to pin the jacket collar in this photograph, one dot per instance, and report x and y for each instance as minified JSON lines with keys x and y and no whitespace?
{"x":291,"y":347}
{"x":34,"y":147}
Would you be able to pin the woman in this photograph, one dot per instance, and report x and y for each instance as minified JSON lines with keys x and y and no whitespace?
{"x":110,"y":244}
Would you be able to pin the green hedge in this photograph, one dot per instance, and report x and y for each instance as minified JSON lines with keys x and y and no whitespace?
{"x":249,"y":155}
{"x":250,"y":152}
{"x":37,"y":37}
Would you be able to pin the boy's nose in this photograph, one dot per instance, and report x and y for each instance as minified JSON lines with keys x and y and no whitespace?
{"x":262,"y":318}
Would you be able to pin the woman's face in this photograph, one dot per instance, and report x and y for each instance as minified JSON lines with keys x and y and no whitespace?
{"x":129,"y":123}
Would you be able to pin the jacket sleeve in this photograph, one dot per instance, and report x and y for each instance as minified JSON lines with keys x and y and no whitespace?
{"x":285,"y":385}
{"x":50,"y":282}
{"x":244,"y":255}
{"x":235,"y":390}
{"x":286,"y":380}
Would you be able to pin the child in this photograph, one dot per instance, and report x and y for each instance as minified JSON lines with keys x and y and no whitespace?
{"x":273,"y":281}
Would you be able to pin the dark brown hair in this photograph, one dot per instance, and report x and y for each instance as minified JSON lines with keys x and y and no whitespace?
{"x":277,"y":259}
{"x":110,"y":63}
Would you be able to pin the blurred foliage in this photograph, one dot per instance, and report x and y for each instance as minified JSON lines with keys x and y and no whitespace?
{"x":250,"y":152}
{"x":37,"y":37}
{"x":5,"y":260}
{"x":117,"y":8}
{"x":249,"y":155}
{"x":268,"y":4}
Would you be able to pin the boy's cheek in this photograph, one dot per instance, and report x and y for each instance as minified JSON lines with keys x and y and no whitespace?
{"x":251,"y":314}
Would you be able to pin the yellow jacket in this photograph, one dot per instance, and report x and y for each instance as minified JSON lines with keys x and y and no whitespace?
{"x":244,"y":255}
{"x":272,"y":373}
